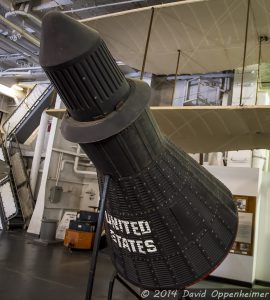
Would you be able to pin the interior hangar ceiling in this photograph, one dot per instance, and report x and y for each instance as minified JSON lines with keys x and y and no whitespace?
{"x":19,"y":54}
{"x":80,"y":9}
{"x":209,"y":33}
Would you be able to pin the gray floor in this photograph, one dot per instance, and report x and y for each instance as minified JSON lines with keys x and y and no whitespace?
{"x":34,"y":272}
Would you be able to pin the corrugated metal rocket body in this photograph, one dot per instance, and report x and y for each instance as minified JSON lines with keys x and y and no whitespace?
{"x":169,"y":222}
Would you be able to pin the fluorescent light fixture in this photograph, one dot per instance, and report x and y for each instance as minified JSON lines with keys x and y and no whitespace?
{"x":17,"y":87}
{"x":7,"y":91}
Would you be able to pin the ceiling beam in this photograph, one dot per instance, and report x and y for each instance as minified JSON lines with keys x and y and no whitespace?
{"x":24,"y":33}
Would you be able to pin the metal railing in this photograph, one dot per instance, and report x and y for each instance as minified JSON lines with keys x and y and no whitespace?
{"x":20,"y":114}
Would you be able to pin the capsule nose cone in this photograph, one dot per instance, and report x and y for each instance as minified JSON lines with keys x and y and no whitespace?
{"x":63,"y":39}
{"x":81,"y":67}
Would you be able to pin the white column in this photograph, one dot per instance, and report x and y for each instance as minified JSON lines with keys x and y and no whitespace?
{"x":35,"y":223}
{"x":38,"y":150}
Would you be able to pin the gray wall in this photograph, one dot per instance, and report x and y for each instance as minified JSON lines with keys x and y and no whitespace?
{"x":78,"y":189}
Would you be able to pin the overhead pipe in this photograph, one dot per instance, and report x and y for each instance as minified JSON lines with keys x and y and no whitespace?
{"x":28,"y":73}
{"x":15,"y":13}
{"x":76,"y":170}
{"x":69,"y":161}
{"x":69,"y":152}
{"x":78,"y":155}
{"x":9,"y":57}
{"x":24,"y":33}
{"x":69,"y":181}
{"x":32,"y":57}
{"x":29,"y":83}
{"x":204,"y":76}
{"x":22,"y":71}
{"x":100,"y":6}
{"x":127,"y":12}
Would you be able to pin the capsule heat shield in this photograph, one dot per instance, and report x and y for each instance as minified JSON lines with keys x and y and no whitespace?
{"x":169,"y":222}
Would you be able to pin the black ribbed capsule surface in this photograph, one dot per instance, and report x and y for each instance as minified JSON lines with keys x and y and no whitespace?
{"x":84,"y":72}
{"x":169,"y":222}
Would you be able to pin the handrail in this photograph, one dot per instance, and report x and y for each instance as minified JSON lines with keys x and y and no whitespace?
{"x":24,"y":101}
{"x":43,"y":94}
{"x":18,"y":107}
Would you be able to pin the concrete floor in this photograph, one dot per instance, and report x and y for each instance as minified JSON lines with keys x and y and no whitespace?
{"x":33,"y":272}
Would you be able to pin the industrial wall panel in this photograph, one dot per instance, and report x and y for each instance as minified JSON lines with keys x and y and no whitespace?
{"x":8,"y":199}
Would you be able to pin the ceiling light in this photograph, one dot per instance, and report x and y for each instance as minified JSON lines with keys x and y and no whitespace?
{"x":17,"y":87}
{"x":7,"y":91}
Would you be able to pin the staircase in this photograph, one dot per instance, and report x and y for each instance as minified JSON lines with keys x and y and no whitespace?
{"x":16,"y":200}
{"x":11,"y":215}
{"x":25,"y":118}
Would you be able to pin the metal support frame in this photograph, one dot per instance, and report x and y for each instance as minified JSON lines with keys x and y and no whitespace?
{"x":116,"y":276}
{"x":147,"y":42}
{"x":176,"y":73}
{"x":258,"y":71}
{"x":245,"y":52}
{"x":201,"y":159}
{"x":92,"y":271}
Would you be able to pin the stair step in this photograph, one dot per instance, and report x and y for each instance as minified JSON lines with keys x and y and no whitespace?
{"x":16,"y":223}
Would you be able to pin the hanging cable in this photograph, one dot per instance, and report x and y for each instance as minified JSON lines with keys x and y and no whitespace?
{"x":245,"y":52}
{"x":176,"y":73}
{"x":147,"y":41}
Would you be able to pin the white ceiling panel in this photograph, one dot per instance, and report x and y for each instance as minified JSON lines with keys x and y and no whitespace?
{"x":209,"y":33}
{"x":204,"y":129}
